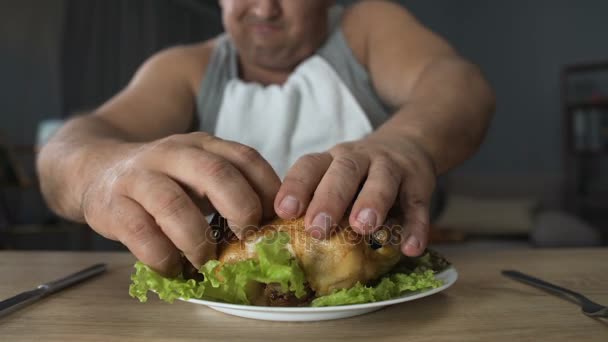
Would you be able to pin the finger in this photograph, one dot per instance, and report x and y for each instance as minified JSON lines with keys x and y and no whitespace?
{"x":258,"y":172}
{"x":377,"y":196}
{"x":216,"y":178}
{"x":335,"y":193}
{"x":176,"y":215}
{"x":300,"y":183}
{"x":415,"y":202}
{"x":136,"y":229}
{"x":201,"y":202}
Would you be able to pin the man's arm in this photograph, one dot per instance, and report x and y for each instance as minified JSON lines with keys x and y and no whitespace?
{"x":160,"y":99}
{"x":127,"y":172}
{"x":156,"y":103}
{"x":443,"y":100}
{"x":444,"y":107}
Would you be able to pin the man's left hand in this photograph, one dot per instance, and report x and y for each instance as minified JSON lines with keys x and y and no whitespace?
{"x":377,"y":173}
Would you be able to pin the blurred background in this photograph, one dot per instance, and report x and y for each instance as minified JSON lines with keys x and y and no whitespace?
{"x":539,"y":179}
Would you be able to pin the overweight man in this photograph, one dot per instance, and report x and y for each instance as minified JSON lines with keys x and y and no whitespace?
{"x":301,"y":109}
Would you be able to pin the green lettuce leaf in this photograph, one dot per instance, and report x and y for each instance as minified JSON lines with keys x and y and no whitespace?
{"x":277,"y":265}
{"x":231,"y":283}
{"x":389,"y":287}
{"x":145,"y":279}
{"x":237,"y":282}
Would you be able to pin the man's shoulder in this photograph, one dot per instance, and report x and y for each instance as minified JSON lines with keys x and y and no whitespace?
{"x":192,"y":56}
{"x":368,"y":12}
{"x":364,"y":18}
{"x":187,"y":61}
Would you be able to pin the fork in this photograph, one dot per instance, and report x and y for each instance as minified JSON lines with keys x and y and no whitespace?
{"x":588,"y":307}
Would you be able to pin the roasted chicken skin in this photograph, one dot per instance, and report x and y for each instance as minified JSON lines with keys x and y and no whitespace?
{"x":338,"y":262}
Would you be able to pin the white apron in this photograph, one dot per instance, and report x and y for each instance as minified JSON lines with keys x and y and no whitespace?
{"x":312,"y":112}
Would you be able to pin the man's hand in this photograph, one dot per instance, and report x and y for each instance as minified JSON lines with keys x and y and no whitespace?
{"x":151,"y":199}
{"x":385,"y":169}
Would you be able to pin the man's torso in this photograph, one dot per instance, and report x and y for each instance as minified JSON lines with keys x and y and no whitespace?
{"x":329,"y":98}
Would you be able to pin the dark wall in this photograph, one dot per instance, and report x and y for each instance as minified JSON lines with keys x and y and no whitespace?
{"x":31,"y":50}
{"x":30,"y":87}
{"x":521,"y":46}
{"x":105,"y":42}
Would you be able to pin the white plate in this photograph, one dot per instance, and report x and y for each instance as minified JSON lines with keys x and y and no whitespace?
{"x":268,"y":313}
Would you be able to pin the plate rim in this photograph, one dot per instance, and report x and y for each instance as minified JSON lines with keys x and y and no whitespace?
{"x":309,"y":309}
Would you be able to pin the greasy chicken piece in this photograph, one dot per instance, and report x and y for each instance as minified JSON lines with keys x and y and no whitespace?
{"x":338,"y":262}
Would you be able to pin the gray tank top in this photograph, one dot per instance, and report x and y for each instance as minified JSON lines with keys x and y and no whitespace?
{"x":223,"y":67}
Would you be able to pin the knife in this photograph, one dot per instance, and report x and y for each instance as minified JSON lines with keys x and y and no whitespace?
{"x":25,"y":298}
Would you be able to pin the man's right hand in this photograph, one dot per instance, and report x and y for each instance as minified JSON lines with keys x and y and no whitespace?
{"x":154,"y":198}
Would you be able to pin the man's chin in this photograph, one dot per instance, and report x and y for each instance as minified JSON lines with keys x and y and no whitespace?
{"x":273,"y":57}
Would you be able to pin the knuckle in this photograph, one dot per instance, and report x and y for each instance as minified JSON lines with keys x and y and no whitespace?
{"x":200,"y":135}
{"x":412,"y":165}
{"x":416,"y":211}
{"x":382,"y":156}
{"x":172,"y":141}
{"x":311,"y":159}
{"x":247,"y":154}
{"x":169,"y":143}
{"x":389,"y":170}
{"x":340,"y":149}
{"x":136,"y":228}
{"x":205,"y":138}
{"x":413,"y":200}
{"x":347,"y":164}
{"x":384,"y":196}
{"x":418,"y":186}
{"x":338,"y":196}
{"x":218,"y":168}
{"x":172,"y":203}
{"x":295,"y":180}
{"x":406,"y":164}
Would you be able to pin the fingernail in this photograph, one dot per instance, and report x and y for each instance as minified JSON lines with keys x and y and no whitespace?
{"x":367,"y":218}
{"x":289,"y":205}
{"x":315,"y":233}
{"x":414,"y":242}
{"x":320,"y":225}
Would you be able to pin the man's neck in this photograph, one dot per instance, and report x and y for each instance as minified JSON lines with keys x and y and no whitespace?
{"x":264,"y":76}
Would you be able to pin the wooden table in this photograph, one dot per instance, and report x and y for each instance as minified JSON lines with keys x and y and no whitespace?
{"x":481,"y":306}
